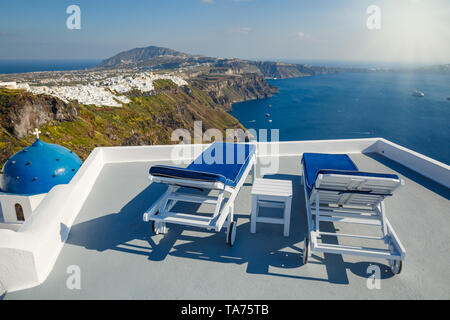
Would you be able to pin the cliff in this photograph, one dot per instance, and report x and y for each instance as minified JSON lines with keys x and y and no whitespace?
{"x":226,"y":90}
{"x":281,"y":70}
{"x":21,"y":112}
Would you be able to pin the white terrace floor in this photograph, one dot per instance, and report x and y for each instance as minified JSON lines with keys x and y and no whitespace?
{"x":120,"y":259}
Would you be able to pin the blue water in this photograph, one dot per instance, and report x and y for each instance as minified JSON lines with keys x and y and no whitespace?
{"x":358,"y":105}
{"x":20,"y":66}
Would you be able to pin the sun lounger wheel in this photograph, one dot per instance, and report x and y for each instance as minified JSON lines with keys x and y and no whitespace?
{"x":154,"y":230}
{"x":158,"y":228}
{"x":305,"y":249}
{"x":231,"y":233}
{"x":396,"y":266}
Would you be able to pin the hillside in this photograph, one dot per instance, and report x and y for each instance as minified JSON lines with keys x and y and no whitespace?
{"x":158,"y":58}
{"x":139,"y":54}
{"x":148,"y":119}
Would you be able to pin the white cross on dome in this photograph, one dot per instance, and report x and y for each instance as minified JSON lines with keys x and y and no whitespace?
{"x":36,"y":133}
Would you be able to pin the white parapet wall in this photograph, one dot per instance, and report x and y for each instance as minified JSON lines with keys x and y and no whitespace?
{"x":426,"y":166}
{"x":293,"y":148}
{"x":28,"y":255}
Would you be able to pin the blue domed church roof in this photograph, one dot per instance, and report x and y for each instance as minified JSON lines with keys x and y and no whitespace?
{"x":38,"y":168}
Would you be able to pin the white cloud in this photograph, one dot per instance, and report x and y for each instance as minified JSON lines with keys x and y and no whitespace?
{"x":309,"y":38}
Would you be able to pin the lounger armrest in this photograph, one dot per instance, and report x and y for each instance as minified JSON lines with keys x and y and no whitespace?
{"x":357,"y":182}
{"x":187,"y":183}
{"x":358,"y":174}
{"x":354,"y":191}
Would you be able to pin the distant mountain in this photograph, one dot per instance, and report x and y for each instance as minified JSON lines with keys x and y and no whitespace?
{"x":442,"y":68}
{"x":439,"y":68}
{"x":158,"y":58}
{"x":140,"y":54}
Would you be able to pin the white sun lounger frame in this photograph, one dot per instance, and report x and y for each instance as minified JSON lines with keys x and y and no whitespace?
{"x":160,"y":212}
{"x":350,"y":204}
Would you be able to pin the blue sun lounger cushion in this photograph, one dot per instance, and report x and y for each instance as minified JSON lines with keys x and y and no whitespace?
{"x":321,"y":163}
{"x":232,"y":160}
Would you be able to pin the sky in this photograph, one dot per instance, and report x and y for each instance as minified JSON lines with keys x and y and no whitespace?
{"x":291,"y":30}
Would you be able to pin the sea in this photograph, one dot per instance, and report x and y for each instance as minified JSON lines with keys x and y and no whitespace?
{"x":358,"y":105}
{"x":20,"y":66}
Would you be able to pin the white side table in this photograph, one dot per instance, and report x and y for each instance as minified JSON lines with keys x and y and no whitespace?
{"x":274,"y":194}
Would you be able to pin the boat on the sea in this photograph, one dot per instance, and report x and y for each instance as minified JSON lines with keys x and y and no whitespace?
{"x":417,"y":93}
{"x":270,"y":120}
{"x":270,"y":106}
{"x":267,"y":115}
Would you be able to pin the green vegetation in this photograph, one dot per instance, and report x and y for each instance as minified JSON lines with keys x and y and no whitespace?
{"x":162,"y":84}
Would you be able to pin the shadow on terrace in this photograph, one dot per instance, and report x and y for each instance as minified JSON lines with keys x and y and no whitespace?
{"x":267,"y":248}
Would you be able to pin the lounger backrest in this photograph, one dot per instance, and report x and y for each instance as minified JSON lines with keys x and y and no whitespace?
{"x":353,"y":190}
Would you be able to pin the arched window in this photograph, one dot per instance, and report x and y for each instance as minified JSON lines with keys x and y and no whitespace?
{"x":19,"y":212}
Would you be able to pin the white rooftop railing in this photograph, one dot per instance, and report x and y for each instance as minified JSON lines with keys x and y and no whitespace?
{"x":426,"y":166}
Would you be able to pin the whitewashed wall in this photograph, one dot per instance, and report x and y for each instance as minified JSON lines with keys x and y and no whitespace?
{"x":9,"y":201}
{"x":28,"y":255}
{"x":426,"y":166}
